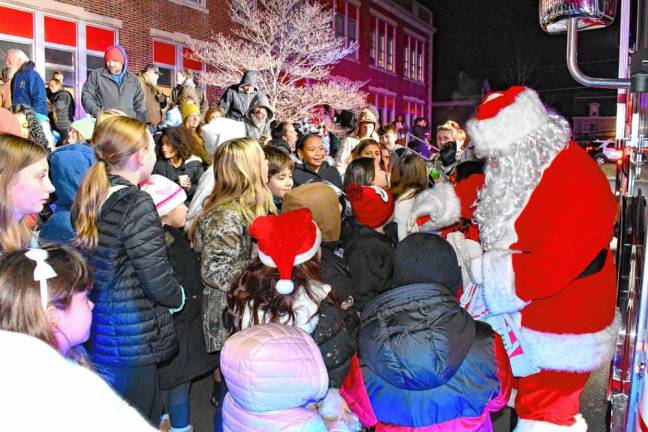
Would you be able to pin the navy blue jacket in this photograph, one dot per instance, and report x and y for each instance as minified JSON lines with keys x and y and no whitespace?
{"x":28,"y":88}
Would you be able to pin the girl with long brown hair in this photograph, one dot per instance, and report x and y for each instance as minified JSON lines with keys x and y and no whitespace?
{"x":52,"y":306}
{"x":409,"y":178}
{"x":24,"y":189}
{"x":284,"y":284}
{"x":120,"y":231}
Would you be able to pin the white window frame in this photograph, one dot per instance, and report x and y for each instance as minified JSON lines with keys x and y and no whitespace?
{"x":382,"y":28}
{"x":387,"y":115}
{"x":356,"y":54}
{"x":413,"y":65}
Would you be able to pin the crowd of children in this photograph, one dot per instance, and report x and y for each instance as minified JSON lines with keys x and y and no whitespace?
{"x":305,"y":288}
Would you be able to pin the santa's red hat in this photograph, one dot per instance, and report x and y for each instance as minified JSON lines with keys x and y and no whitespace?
{"x":286,"y":240}
{"x":504,"y":118}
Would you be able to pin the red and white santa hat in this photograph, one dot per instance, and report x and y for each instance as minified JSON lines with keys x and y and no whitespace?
{"x":286,"y":240}
{"x":505,"y":117}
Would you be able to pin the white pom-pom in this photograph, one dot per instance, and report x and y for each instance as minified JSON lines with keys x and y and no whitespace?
{"x":284,"y":286}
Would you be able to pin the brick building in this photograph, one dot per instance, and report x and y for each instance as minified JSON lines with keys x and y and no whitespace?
{"x":394,"y":56}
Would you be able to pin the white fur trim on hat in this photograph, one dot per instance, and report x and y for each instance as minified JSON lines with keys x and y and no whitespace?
{"x":525,"y":425}
{"x":571,"y":352}
{"x":499,"y":282}
{"x":511,"y":123}
{"x":440,"y":203}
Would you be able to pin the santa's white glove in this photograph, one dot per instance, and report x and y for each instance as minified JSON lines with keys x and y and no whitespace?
{"x":438,"y":207}
{"x":469,"y":254}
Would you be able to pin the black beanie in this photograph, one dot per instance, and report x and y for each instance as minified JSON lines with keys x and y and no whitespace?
{"x":425,"y":258}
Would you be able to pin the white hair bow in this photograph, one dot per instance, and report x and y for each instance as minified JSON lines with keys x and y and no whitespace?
{"x":42,"y":272}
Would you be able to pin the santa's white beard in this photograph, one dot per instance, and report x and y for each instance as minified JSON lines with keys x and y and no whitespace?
{"x":511,"y":177}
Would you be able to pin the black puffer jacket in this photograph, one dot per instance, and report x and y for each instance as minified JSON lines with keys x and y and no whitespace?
{"x":134,"y":283}
{"x":369,"y":256}
{"x":235,"y":102}
{"x":336,"y":334}
{"x":192,"y":167}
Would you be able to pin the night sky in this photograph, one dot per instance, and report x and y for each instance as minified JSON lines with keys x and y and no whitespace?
{"x":501,"y":41}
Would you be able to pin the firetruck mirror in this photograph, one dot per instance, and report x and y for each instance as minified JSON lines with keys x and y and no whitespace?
{"x":592,"y":14}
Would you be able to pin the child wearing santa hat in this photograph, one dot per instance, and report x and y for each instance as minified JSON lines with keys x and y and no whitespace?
{"x":368,"y":249}
{"x":192,"y":359}
{"x":283,"y":285}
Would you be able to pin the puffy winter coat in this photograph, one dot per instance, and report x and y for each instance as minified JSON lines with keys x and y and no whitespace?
{"x":68,"y":166}
{"x":424,"y":364}
{"x":134,"y":283}
{"x":370,"y":257}
{"x":304,"y":175}
{"x":63,"y":110}
{"x":28,"y":88}
{"x":192,"y":359}
{"x":236,"y":102}
{"x":101,"y":91}
{"x":272,"y":372}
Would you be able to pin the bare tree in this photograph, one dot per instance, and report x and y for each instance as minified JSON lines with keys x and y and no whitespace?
{"x":292,"y":46}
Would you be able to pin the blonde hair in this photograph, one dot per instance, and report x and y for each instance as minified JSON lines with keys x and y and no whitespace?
{"x":238,"y":181}
{"x":115,"y":140}
{"x":16,"y":153}
{"x":107,"y":113}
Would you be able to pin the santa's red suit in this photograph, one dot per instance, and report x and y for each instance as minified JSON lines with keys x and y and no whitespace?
{"x":546,"y":216}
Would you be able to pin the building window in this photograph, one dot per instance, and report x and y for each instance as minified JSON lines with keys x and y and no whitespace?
{"x":386,"y":106}
{"x":382,"y":44}
{"x":347,"y":16}
{"x":412,"y":110}
{"x":169,"y":57}
{"x":414,"y":59}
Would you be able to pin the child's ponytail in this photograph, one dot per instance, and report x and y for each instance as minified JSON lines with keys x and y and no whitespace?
{"x":87,"y":206}
{"x":115,"y":139}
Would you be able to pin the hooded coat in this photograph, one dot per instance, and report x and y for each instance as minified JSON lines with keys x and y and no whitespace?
{"x":28,"y":88}
{"x":101,"y":91}
{"x":424,"y":363}
{"x":235,"y":102}
{"x":68,"y":166}
{"x":343,"y":156}
{"x":251,"y":130}
{"x":269,"y":388}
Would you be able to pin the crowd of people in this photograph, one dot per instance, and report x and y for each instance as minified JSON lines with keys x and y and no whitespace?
{"x":327,"y":282}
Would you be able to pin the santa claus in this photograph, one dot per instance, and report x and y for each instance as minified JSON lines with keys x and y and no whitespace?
{"x":546,"y":216}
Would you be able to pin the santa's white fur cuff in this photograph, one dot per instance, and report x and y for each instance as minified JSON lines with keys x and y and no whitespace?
{"x":525,"y":425}
{"x":440,"y":203}
{"x":499,"y":282}
{"x":571,"y":352}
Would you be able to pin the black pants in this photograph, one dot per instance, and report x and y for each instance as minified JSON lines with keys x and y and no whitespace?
{"x":139,"y":386}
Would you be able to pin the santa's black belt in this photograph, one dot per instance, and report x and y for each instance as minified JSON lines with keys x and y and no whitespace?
{"x":595,"y":266}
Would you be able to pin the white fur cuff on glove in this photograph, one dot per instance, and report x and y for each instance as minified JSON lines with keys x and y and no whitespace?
{"x":499,"y":282}
{"x":440,"y":203}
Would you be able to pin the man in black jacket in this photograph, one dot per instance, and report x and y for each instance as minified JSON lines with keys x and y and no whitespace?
{"x":63,"y":107}
{"x":114,"y":86}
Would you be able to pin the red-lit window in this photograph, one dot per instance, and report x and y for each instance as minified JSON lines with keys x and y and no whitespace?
{"x":188,"y":60}
{"x":98,"y":39}
{"x":61,"y":32}
{"x":16,"y":22}
{"x":385,"y":105}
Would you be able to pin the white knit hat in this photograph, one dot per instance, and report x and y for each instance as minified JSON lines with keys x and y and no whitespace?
{"x":166,"y":194}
